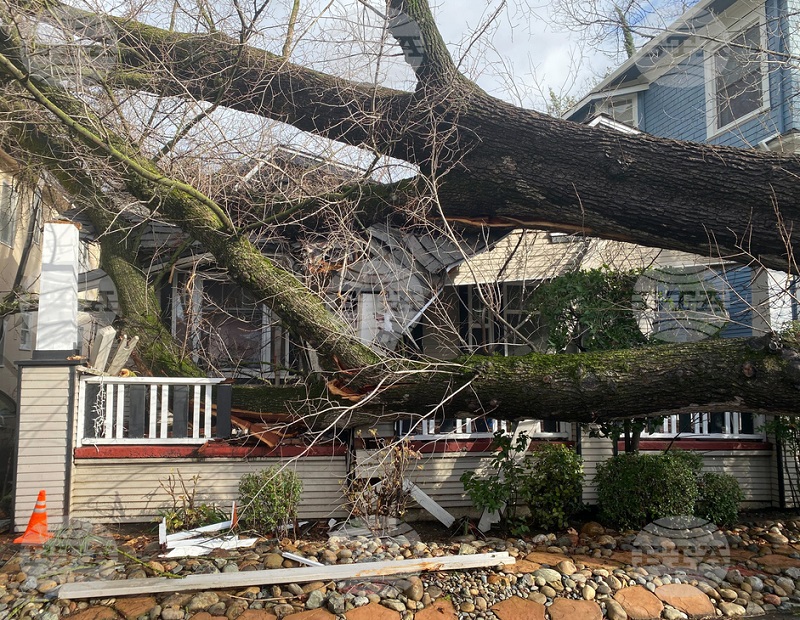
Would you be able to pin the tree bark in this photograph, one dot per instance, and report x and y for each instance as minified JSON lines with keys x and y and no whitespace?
{"x":756,"y":375}
{"x":498,"y":164}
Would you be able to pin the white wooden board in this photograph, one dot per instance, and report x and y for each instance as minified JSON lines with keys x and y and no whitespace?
{"x":129,"y":587}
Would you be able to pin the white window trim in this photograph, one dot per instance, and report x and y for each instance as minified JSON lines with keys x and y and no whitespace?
{"x":712,"y":131}
{"x":14,"y":208}
{"x":670,"y":428}
{"x":424,"y":430}
{"x":603,"y":108}
{"x":25,"y":327}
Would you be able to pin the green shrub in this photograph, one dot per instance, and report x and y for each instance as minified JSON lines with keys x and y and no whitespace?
{"x":547,"y":481}
{"x":635,"y":489}
{"x":719,"y":498}
{"x":269,"y":499}
{"x":554,"y":485}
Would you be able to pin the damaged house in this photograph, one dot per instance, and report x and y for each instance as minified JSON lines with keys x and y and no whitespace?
{"x":434,"y":293}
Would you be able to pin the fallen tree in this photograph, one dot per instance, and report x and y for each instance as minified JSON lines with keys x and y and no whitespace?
{"x":488,"y":163}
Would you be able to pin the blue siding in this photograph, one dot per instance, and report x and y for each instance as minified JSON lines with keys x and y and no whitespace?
{"x":737,"y":302}
{"x":675,"y":106}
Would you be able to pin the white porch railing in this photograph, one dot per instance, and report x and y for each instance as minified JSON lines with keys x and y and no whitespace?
{"x":727,"y":425}
{"x":147,"y":410}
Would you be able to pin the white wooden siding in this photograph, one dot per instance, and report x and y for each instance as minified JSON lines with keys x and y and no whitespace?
{"x":751,"y":468}
{"x":128,"y":490}
{"x":594,"y":450}
{"x":42,"y":457}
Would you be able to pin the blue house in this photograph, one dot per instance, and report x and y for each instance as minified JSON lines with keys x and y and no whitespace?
{"x":721,"y":74}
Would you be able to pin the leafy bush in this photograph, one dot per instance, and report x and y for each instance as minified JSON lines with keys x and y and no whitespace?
{"x":500,"y":488}
{"x":719,"y":498}
{"x":635,"y":489}
{"x":554,"y":485}
{"x":269,"y":499}
{"x":547,"y":481}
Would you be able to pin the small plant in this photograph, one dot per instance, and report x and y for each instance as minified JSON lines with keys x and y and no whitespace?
{"x":548,"y":482}
{"x":387,"y":498}
{"x":269,"y":499}
{"x":719,"y":496}
{"x":186,"y":512}
{"x":500,"y":489}
{"x":554,"y":485}
{"x":635,"y":489}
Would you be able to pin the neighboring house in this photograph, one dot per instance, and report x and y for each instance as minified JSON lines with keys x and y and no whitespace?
{"x":24,"y":204}
{"x":720,"y":74}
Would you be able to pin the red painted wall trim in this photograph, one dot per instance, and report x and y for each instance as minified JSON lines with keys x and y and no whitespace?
{"x":206,"y":451}
{"x":701,"y":445}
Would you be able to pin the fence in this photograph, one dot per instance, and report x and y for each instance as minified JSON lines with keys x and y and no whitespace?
{"x":152,"y":410}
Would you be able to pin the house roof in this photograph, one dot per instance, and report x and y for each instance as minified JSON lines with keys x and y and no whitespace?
{"x":663,"y":50}
{"x":533,"y":255}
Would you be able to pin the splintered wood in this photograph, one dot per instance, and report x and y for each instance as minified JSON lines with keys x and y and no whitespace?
{"x":128,"y":587}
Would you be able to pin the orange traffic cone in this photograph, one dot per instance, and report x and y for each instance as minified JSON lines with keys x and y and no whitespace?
{"x":36,"y":533}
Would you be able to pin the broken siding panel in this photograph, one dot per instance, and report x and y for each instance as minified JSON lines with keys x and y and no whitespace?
{"x":438,"y":475}
{"x":130,"y":490}
{"x":43,"y":442}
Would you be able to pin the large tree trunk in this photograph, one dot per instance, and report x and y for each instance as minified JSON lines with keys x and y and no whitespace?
{"x":757,"y":375}
{"x":504,"y":166}
{"x":498,"y":164}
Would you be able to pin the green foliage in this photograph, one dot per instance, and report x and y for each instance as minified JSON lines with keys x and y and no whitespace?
{"x":554,"y":485}
{"x":718,"y":498}
{"x":635,"y":489}
{"x":269,"y":499}
{"x":187,"y":512}
{"x":547,"y":481}
{"x":591,"y":310}
{"x":499,"y":489}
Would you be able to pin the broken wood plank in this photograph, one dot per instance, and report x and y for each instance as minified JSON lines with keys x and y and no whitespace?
{"x":129,"y":587}
{"x":300,"y":559}
{"x":204,"y":546}
{"x":124,"y":351}
{"x":428,"y":503}
{"x":206,"y":529}
{"x":101,"y":348}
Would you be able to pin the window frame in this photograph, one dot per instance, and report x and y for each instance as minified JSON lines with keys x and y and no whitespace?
{"x":710,"y":76}
{"x":465,"y":428}
{"x":8,"y":238}
{"x":604,"y":106}
{"x":25,"y":332}
{"x":700,"y":421}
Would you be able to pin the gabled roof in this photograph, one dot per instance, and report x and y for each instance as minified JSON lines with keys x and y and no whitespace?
{"x":673,"y":43}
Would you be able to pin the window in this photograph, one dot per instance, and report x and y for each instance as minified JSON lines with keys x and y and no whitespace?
{"x":25,"y":336}
{"x":230,"y":332}
{"x":621,"y":109}
{"x":726,"y":425}
{"x":8,"y":213}
{"x":494,"y":319}
{"x":474,"y":428}
{"x":736,"y":75}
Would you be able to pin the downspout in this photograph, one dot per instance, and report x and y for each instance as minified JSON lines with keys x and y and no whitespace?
{"x":781,"y":481}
